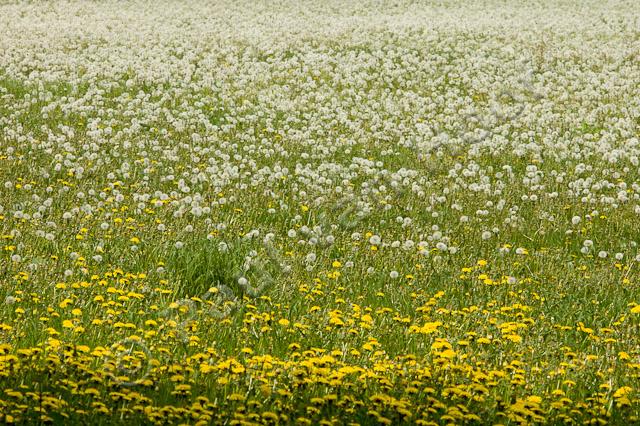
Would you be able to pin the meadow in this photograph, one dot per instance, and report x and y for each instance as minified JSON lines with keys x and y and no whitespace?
{"x":375,"y":212}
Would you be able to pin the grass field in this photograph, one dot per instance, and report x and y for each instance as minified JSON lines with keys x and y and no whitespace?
{"x":327,"y":213}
